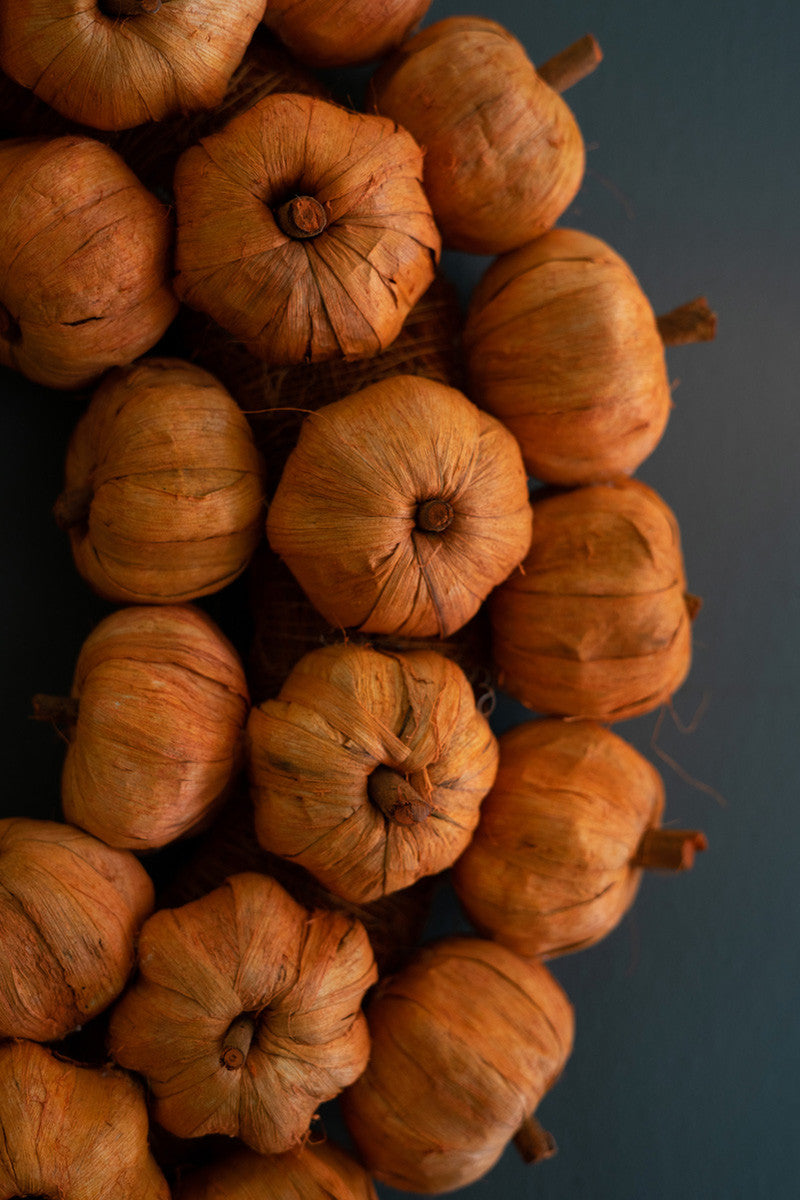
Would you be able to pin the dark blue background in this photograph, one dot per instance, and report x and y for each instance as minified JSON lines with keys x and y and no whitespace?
{"x":683,"y":1081}
{"x":684,"y":1078}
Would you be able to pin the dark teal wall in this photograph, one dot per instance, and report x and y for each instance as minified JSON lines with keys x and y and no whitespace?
{"x":683,"y":1081}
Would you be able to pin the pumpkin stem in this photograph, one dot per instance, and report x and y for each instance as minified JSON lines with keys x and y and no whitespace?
{"x":534,"y":1142}
{"x":302,"y":217}
{"x":59,"y":709}
{"x":571,"y":65}
{"x":72,"y":507}
{"x":236,"y":1043}
{"x":691,"y":322}
{"x":434,"y":516}
{"x":130,"y":8}
{"x":669,"y":849}
{"x":693,"y":604}
{"x":396,"y":797}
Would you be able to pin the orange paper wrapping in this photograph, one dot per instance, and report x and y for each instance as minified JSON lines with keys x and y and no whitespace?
{"x":144,"y":62}
{"x":370,"y":767}
{"x":72,"y":1131}
{"x":161,"y":706}
{"x":598,"y":622}
{"x":246,"y":1013}
{"x":400,"y":508}
{"x":465,"y":1042}
{"x":70,"y":912}
{"x":163,"y":489}
{"x":304,"y":231}
{"x":503,"y":152}
{"x":556,"y":860}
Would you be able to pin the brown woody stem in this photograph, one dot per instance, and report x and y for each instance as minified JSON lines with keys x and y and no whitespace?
{"x":396,"y":797}
{"x":236,"y":1043}
{"x":693,"y":604}
{"x":571,"y":65}
{"x":63,"y":710}
{"x":72,"y":507}
{"x":434,"y":516}
{"x":669,"y":849}
{"x":534,"y":1142}
{"x":130,"y":8}
{"x":302,"y":217}
{"x":692,"y":322}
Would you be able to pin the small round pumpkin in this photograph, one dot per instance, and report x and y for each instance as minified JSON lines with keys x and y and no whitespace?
{"x":352,"y":31}
{"x":246,"y":1013}
{"x":79,"y":1133}
{"x":70,"y":910}
{"x":564,"y":348}
{"x":112,"y":64}
{"x":598,"y":621}
{"x":163,"y":488}
{"x":84,"y":261}
{"x":573,"y":818}
{"x":316,"y":1172}
{"x":370,"y":767}
{"x":400,"y":508}
{"x":503,"y":153}
{"x":304,"y":231}
{"x":159,"y":702}
{"x":465,"y":1042}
